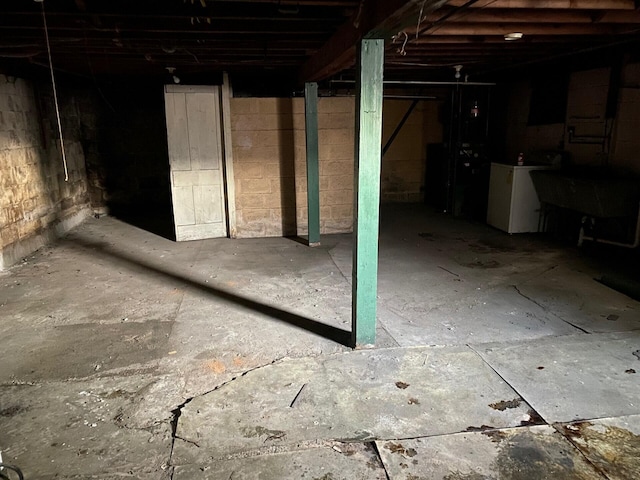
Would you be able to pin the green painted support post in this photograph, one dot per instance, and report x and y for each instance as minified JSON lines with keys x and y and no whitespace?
{"x":313,"y":174}
{"x":368,"y":136}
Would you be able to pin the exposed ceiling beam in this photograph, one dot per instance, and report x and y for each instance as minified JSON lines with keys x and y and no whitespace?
{"x":534,"y":15}
{"x":375,"y":18}
{"x":112,"y":36}
{"x":320,"y":3}
{"x":8,"y":31}
{"x":458,"y":28}
{"x":480,"y":40}
{"x":182,"y":17}
{"x":553,"y":4}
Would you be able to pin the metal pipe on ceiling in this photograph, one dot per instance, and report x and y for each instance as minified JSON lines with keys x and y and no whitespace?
{"x":412,"y":97}
{"x":393,"y":97}
{"x":425,"y":82}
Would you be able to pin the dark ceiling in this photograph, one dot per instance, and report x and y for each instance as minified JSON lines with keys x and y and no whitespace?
{"x":308,"y":39}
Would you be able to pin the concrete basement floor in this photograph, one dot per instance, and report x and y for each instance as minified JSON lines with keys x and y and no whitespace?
{"x":126,"y":355}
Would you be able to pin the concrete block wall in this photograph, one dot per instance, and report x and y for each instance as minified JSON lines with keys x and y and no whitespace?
{"x":403,"y":166}
{"x":36,"y":204}
{"x":270,"y":161}
{"x":268,"y":137}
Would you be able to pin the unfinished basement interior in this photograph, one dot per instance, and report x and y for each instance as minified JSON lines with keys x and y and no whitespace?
{"x":320,"y":239}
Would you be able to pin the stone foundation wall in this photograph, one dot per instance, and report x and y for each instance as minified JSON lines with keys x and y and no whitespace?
{"x":125,"y":146}
{"x":36,"y":204}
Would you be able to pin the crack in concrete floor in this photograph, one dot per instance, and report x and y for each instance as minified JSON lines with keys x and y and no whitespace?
{"x":544,"y":307}
{"x":177,"y":411}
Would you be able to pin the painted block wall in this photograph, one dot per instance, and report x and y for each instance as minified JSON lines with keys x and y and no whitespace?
{"x":270,"y":161}
{"x":268,"y":137}
{"x":403,"y":166}
{"x":586,"y":108}
{"x":36,"y":204}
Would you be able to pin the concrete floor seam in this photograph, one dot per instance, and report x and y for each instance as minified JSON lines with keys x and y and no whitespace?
{"x":536,"y":414}
{"x":379,"y":454}
{"x":549,"y":311}
{"x":346,"y":277}
{"x":580,"y":452}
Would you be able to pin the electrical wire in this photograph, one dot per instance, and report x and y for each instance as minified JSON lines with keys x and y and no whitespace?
{"x":55,"y":96}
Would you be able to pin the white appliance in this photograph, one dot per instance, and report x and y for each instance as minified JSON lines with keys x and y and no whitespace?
{"x":513,"y":202}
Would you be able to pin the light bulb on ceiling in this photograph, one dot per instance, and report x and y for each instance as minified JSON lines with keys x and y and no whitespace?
{"x":510,"y":37}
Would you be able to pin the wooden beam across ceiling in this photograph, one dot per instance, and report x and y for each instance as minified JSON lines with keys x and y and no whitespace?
{"x":552,"y":4}
{"x":315,"y":38}
{"x":536,"y":15}
{"x":442,"y":41}
{"x":374,"y":19}
{"x":473,"y":33}
{"x":460,"y":28}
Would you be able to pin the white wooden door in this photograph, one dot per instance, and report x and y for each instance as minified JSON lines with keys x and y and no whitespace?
{"x":195,"y":157}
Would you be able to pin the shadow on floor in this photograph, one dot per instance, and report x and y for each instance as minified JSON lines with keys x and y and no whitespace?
{"x":158,"y":221}
{"x":329,"y":332}
{"x":619,"y":267}
{"x":298,"y":239}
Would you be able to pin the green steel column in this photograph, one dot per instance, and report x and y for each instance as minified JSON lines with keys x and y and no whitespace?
{"x":368,"y":135}
{"x":313,"y":175}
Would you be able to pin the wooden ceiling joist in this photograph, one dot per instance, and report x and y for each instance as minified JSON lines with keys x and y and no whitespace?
{"x":552,"y":4}
{"x":557,"y":29}
{"x":315,"y":38}
{"x":379,"y":18}
{"x":530,"y":15}
{"x":466,"y":40}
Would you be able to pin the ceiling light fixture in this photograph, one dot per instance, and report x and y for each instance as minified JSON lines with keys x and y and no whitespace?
{"x":172,"y":71}
{"x":510,"y":37}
